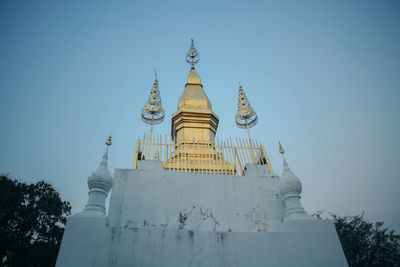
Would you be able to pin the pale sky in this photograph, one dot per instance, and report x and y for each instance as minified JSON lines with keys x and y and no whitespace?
{"x":323,"y":77}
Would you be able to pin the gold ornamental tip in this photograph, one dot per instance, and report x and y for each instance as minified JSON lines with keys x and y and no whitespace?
{"x":152,"y":112}
{"x":281,"y":150}
{"x":192,"y":56}
{"x":109,"y":142}
{"x":245,"y":117}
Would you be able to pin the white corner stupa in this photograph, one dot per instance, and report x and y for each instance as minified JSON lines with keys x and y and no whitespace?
{"x":99,"y":183}
{"x":196,"y":200}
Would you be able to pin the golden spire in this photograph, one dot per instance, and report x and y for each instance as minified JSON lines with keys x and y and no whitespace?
{"x":194,"y":117}
{"x":153,"y":113}
{"x":281,"y":150}
{"x":193,"y":57}
{"x":194,"y":121}
{"x":245,"y":117}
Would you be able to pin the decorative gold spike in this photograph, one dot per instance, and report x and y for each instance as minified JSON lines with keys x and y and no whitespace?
{"x":152,"y":141}
{"x":232,"y":158}
{"x":109,"y":142}
{"x":245,"y":117}
{"x":239,"y":142}
{"x":266,"y":158}
{"x":135,"y":160}
{"x":142,"y":151}
{"x":229,"y":156}
{"x":147,"y":157}
{"x":192,"y":56}
{"x":281,"y":150}
{"x":157,"y":154}
{"x":219,"y":158}
{"x":152,"y":112}
{"x":166,"y":148}
{"x":237,"y":158}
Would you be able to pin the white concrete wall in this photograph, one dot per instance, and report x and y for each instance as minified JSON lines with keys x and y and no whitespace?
{"x":169,"y":218}
{"x":89,"y":243}
{"x":155,"y":197}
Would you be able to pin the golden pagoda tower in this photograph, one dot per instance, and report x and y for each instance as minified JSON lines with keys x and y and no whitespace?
{"x":194,"y":119}
{"x":193,"y":146}
{"x":194,"y":126}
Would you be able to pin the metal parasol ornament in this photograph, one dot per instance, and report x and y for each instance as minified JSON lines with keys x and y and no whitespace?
{"x":245,"y":117}
{"x":192,"y":56}
{"x":153,"y":113}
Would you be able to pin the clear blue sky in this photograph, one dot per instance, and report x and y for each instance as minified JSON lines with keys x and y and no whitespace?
{"x":323,"y":77}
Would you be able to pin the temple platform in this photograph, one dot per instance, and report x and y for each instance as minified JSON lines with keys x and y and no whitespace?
{"x":172,"y":218}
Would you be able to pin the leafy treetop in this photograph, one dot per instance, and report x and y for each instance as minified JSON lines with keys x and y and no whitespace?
{"x":32,"y":221}
{"x":364,"y":243}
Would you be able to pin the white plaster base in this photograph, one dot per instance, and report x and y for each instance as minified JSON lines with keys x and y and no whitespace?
{"x":170,"y":218}
{"x":88,"y":242}
{"x":152,"y":196}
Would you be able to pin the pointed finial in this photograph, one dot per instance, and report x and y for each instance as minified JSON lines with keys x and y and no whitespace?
{"x":152,"y":112}
{"x":245,"y":117}
{"x":281,"y":150}
{"x":109,"y":142}
{"x":192,"y":56}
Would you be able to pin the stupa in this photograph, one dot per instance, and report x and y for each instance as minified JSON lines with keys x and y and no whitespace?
{"x":196,"y":200}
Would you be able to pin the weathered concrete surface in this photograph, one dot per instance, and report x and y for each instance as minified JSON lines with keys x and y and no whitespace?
{"x":84,"y":241}
{"x":90,"y":243}
{"x":169,"y":218}
{"x":170,"y":200}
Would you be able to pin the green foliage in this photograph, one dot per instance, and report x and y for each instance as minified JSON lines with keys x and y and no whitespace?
{"x":32,"y":220}
{"x":364,"y":243}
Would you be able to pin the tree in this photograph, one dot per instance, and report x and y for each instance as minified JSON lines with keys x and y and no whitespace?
{"x":364,"y":243}
{"x":32,"y":221}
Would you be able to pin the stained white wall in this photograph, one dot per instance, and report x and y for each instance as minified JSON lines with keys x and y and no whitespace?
{"x":171,"y":218}
{"x":90,"y":242}
{"x":154,"y":197}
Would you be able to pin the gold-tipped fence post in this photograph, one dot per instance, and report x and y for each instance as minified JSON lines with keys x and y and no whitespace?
{"x":266,"y":158}
{"x":135,"y":160}
{"x":236,"y":156}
